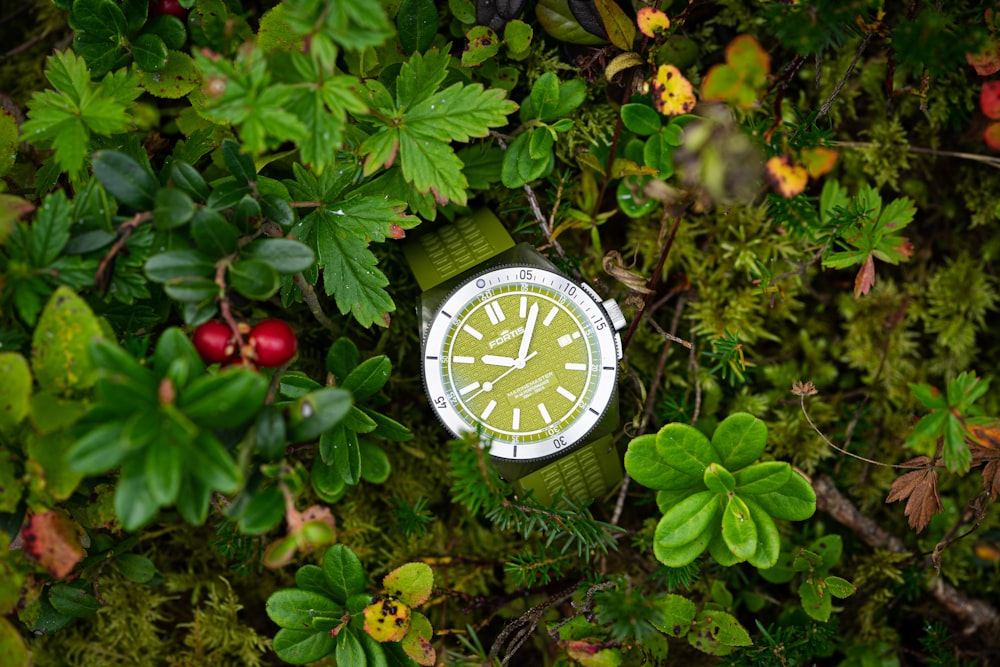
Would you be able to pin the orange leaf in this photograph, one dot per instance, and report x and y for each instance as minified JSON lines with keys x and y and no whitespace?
{"x":992,"y":136}
{"x":987,"y":60}
{"x":50,"y":539}
{"x":746,"y":56}
{"x":652,"y":21}
{"x":865,"y":278}
{"x":672,"y":93}
{"x":989,"y":99}
{"x":818,"y":161}
{"x":789,"y":178}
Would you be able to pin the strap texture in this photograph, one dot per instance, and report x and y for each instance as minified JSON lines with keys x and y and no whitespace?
{"x":450,"y":249}
{"x":588,"y":472}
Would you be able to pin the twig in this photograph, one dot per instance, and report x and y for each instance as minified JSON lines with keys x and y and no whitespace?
{"x":975,"y":157}
{"x":520,"y":629}
{"x":653,"y":280}
{"x":309,"y":294}
{"x":975,"y":614}
{"x":843,"y":80}
{"x":125,"y":230}
{"x":904,"y":466}
{"x":536,"y":209}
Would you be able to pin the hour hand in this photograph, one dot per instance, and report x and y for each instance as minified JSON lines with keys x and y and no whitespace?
{"x":494,"y":360}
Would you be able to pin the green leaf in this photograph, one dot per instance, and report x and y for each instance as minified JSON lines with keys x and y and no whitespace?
{"x":343,"y":572}
{"x":739,"y":440}
{"x":101,"y":18}
{"x":518,"y":166}
{"x":149,"y":51}
{"x":283,"y":255}
{"x":768,"y":537}
{"x":814,"y":601}
{"x":342,"y":357}
{"x":212,"y":465}
{"x":254,"y":279}
{"x":369,"y":377}
{"x":481,"y":45}
{"x":678,"y":556}
{"x":641,"y":119}
{"x":300,"y":647}
{"x":416,"y":24}
{"x":60,"y":347}
{"x":375,"y":465}
{"x":269,"y":433}
{"x":164,"y":467}
{"x":98,"y":451}
{"x":50,"y":231}
{"x":327,"y":481}
{"x":318,"y":411}
{"x":545,"y":96}
{"x":646,"y":465}
{"x":264,"y":511}
{"x":838,"y":587}
{"x":517,"y":37}
{"x":795,"y":501}
{"x":619,"y":26}
{"x":349,"y":649}
{"x":73,"y":601}
{"x":125,"y":179}
{"x":688,"y":519}
{"x":715,"y":632}
{"x":739,"y":529}
{"x":169,"y":28}
{"x":15,"y":390}
{"x":135,"y":568}
{"x":175,"y":264}
{"x":686,"y":449}
{"x":134,"y":505}
{"x":676,"y":615}
{"x":172,"y":346}
{"x":192,"y":501}
{"x":176,"y":78}
{"x":189,"y":180}
{"x":718,"y":479}
{"x":762,"y":477}
{"x":339,"y":449}
{"x":226,"y":400}
{"x":298,"y":609}
{"x":411,"y":583}
{"x":172,"y":208}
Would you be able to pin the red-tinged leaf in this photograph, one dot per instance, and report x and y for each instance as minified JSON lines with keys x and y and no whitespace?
{"x":590,"y":653}
{"x":919,"y":489}
{"x":652,"y":21}
{"x":787,"y":177}
{"x":987,"y":435}
{"x":673,"y":95}
{"x":904,"y":249}
{"x":986,"y":61}
{"x":51,"y":540}
{"x":992,"y":136}
{"x":818,"y":161}
{"x":865,"y":279}
{"x":989,"y":100}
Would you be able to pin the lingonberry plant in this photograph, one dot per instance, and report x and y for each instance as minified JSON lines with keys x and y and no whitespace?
{"x":214,"y":443}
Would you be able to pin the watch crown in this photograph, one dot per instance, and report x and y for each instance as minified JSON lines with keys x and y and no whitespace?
{"x":615,"y":313}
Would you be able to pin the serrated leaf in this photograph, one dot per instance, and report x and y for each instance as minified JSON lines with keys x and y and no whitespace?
{"x":50,"y":231}
{"x":919,"y":489}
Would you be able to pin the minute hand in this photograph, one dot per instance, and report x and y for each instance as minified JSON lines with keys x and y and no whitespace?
{"x":529,"y":329}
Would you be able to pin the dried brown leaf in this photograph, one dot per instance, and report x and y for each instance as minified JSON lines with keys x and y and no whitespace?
{"x":919,"y":489}
{"x":991,"y":478}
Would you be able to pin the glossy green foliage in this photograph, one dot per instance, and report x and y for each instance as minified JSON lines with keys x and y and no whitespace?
{"x":329,"y":613}
{"x":715,"y":495}
{"x":811,"y":565}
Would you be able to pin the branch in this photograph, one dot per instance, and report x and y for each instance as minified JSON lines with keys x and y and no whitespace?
{"x":974,"y":614}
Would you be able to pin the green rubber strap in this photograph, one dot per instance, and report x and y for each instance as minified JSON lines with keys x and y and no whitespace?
{"x":587,"y":472}
{"x":447,"y":251}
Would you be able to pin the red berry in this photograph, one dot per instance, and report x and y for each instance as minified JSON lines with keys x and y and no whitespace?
{"x":273,"y":342}
{"x":171,"y":7}
{"x":214,"y":341}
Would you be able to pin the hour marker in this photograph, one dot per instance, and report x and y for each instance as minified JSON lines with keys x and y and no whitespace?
{"x":595,"y":412}
{"x":469,"y":387}
{"x":429,"y":358}
{"x":544,"y":412}
{"x":472,"y":332}
{"x":494,"y":313}
{"x":515,"y":419}
{"x":489,"y":410}
{"x":571,"y":366}
{"x":566,"y":393}
{"x":566,"y":339}
{"x":551,"y":316}
{"x":523,"y":310}
{"x":463,"y":360}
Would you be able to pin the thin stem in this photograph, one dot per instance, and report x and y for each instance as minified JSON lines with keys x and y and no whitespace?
{"x":843,"y":80}
{"x":309,"y":294}
{"x":653,"y":281}
{"x":975,"y":157}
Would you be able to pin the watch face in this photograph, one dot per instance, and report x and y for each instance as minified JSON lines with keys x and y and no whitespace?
{"x":525,"y":356}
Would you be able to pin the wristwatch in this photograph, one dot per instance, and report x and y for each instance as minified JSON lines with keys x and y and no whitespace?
{"x":519,"y":353}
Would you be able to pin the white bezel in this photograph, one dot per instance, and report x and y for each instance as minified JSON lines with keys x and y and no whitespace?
{"x":606,"y":362}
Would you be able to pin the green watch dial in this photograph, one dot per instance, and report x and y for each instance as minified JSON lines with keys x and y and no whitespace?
{"x":523,"y":355}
